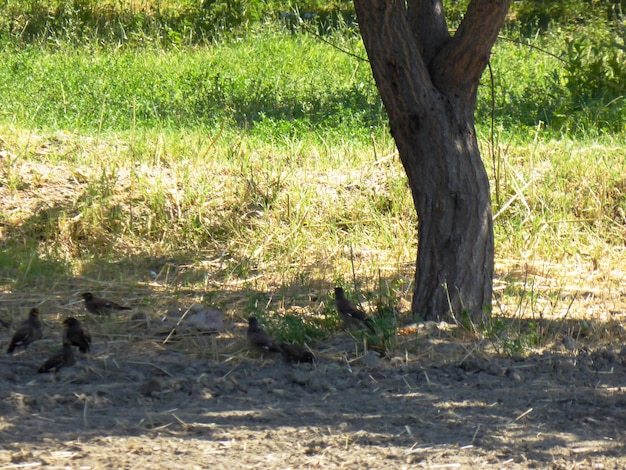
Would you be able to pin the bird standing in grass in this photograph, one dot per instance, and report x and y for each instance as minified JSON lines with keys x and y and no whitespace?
{"x":259,"y":340}
{"x":99,"y":306}
{"x":296,"y":353}
{"x":76,"y":335}
{"x":63,"y":358}
{"x":29,"y":331}
{"x":349,"y":313}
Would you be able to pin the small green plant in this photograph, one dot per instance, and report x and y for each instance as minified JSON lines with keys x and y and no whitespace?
{"x":299,"y":329}
{"x":385,"y":323}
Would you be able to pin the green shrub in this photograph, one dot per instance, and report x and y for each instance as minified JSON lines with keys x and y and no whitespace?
{"x":533,"y":15}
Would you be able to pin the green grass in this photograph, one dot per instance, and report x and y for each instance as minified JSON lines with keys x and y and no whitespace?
{"x":569,"y":79}
{"x":249,"y":84}
{"x":258,"y":170}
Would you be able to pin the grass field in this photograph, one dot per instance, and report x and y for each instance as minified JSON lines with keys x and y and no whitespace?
{"x":165,"y":155}
{"x":261,"y":163}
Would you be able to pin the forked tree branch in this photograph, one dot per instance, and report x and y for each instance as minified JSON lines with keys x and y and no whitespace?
{"x":428,"y":22}
{"x":395,"y":56}
{"x":460,"y":64}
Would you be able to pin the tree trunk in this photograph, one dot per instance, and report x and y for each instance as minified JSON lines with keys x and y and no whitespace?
{"x":428,"y":81}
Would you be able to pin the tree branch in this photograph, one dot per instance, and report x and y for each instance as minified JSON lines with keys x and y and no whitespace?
{"x":395,"y":56}
{"x":428,"y":22}
{"x":460,"y":64}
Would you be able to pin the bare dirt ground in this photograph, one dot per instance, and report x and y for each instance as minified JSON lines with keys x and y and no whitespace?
{"x":135,"y":402}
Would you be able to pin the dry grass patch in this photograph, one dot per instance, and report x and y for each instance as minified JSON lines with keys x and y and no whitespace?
{"x":264,"y":229}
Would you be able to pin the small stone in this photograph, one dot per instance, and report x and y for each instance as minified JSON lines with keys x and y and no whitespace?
{"x":149,"y":388}
{"x":514,"y":375}
{"x":397,"y":361}
{"x":569,"y":343}
{"x":371,"y":359}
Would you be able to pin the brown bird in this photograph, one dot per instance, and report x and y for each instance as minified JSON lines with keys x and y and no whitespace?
{"x":62,"y":358}
{"x":76,"y":335}
{"x":99,"y":306}
{"x":296,"y":353}
{"x":349,"y":313}
{"x":259,"y":340}
{"x":29,"y":331}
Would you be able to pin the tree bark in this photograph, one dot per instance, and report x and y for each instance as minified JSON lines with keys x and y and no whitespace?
{"x":428,"y":82}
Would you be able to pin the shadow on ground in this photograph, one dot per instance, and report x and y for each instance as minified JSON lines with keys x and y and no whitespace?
{"x":439,"y":398}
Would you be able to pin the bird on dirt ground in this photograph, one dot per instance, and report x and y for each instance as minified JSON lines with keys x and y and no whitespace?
{"x":76,"y":335}
{"x":99,"y":306}
{"x":30,"y":330}
{"x":349,"y":313}
{"x":259,"y":340}
{"x":296,"y":353}
{"x":60,"y":359}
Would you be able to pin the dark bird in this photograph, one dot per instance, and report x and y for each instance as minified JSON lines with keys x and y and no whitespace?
{"x":62,"y":358}
{"x":296,"y":353}
{"x":76,"y":335}
{"x":99,"y":306}
{"x":349,"y":313}
{"x":29,"y":331}
{"x":259,"y":340}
